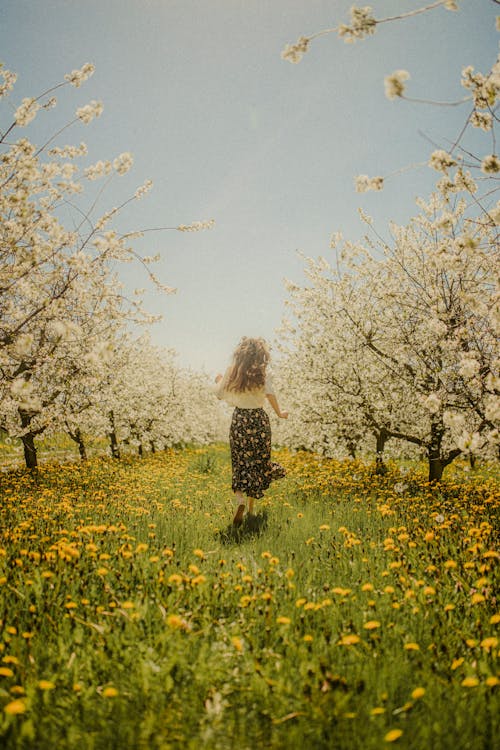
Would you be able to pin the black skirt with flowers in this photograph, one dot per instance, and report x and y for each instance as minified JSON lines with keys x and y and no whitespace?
{"x":250,"y":441}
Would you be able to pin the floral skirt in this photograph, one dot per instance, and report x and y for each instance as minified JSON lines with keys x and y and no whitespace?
{"x":250,"y":441}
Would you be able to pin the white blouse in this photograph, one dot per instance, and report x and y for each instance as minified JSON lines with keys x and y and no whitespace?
{"x":253,"y":399}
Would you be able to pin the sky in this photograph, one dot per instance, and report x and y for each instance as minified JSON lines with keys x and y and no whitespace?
{"x":197,"y":91}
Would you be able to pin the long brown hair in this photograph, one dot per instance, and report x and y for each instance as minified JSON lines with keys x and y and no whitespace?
{"x":248,"y":370}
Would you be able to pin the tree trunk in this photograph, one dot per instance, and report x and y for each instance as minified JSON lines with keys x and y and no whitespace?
{"x":436,"y":462}
{"x":381,"y":437}
{"x":113,"y":441}
{"x":140,"y":450}
{"x":153,"y":446}
{"x":472,"y":461}
{"x":81,"y":445}
{"x":28,"y":440}
{"x":77,"y":437}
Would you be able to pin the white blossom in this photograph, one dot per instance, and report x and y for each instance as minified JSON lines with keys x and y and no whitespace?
{"x":294,"y":52}
{"x":87,"y":113}
{"x":97,"y":170}
{"x":483,"y":120}
{"x":490,"y":164}
{"x":143,"y":189}
{"x":432,"y":403}
{"x":196,"y":226}
{"x":123,"y":163}
{"x":26,"y":112}
{"x":364,"y":183}
{"x":441,"y":160}
{"x":9,"y":79}
{"x":77,"y":77}
{"x":363,"y":24}
{"x":395,"y":84}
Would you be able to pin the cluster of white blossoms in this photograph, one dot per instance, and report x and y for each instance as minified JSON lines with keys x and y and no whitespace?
{"x":363,"y":24}
{"x":123,"y":163}
{"x":441,"y":160}
{"x":294,"y":52}
{"x":364,"y":183}
{"x":485,"y":89}
{"x":69,"y":152}
{"x":143,"y":189}
{"x":89,"y":111}
{"x":98,"y":170}
{"x":77,"y":77}
{"x":9,"y":79}
{"x":490,"y":164}
{"x":483,"y":120}
{"x":196,"y":226}
{"x":395,"y":84}
{"x":26,"y":112}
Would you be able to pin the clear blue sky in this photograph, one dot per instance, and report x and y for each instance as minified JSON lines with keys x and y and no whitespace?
{"x":226,"y":129}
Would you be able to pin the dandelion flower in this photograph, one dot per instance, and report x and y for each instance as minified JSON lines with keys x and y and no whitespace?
{"x":393,"y":735}
{"x":46,"y":685}
{"x":15,"y":707}
{"x":470,"y":682}
{"x":371,"y":625}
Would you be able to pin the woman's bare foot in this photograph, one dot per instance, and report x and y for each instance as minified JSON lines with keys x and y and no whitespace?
{"x":238,"y":516}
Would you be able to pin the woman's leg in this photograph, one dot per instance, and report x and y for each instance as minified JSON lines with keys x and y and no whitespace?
{"x":240,"y":504}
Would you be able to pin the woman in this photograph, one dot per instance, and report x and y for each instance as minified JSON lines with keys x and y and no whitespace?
{"x":246,"y":385}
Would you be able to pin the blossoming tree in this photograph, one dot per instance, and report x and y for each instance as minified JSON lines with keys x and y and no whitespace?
{"x":403,"y":335}
{"x":60,"y":304}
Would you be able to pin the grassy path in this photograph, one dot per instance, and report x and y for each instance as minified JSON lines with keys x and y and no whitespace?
{"x":361,"y":612}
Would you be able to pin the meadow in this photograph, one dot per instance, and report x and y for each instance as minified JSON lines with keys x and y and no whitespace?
{"x":355,"y":611}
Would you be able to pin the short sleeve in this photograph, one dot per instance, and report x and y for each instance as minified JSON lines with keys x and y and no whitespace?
{"x":269,"y":385}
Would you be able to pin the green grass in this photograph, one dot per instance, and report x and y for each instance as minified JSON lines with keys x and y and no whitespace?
{"x":133,"y":616}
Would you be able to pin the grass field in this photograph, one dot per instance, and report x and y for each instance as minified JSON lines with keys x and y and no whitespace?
{"x":354,"y":612}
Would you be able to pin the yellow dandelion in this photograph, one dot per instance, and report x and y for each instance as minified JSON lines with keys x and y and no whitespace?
{"x":300,"y":602}
{"x":492,"y":681}
{"x":109,"y":692}
{"x":393,"y":735}
{"x":371,"y":625}
{"x":470,"y":682}
{"x":308,"y":638}
{"x":456,"y":663}
{"x":46,"y":685}
{"x":175,"y":622}
{"x":449,"y":607}
{"x":128,"y":605}
{"x":175,"y":578}
{"x":494,"y":619}
{"x":15,"y":707}
{"x":412,"y":647}
{"x":324,"y":527}
{"x":199,"y":553}
{"x":377,"y":711}
{"x":283,"y":620}
{"x":418,"y":693}
{"x":488,"y":643}
{"x":349,"y":640}
{"x":237,"y":643}
{"x":367,"y":587}
{"x":449,"y":564}
{"x":6,"y":672}
{"x":477,"y":598}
